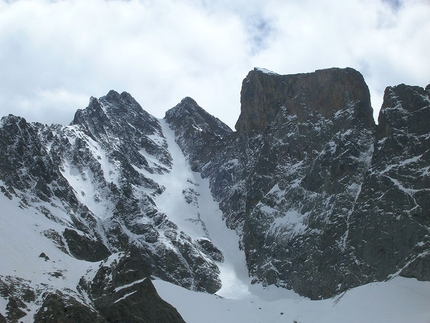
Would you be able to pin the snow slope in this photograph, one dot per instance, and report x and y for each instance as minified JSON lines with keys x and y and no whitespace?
{"x":31,"y":258}
{"x":397,"y":301}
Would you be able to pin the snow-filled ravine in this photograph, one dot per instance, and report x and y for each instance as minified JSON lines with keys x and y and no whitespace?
{"x":202,"y":218}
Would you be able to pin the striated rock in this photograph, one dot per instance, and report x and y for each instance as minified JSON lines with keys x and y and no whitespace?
{"x":300,"y":165}
{"x":347,"y":203}
{"x":200,"y":135}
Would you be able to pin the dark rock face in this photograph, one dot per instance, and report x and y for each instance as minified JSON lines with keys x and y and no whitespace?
{"x":200,"y":135}
{"x":314,"y":153}
{"x":60,"y":308}
{"x":304,"y":180}
{"x":122,"y":291}
{"x":326,"y":92}
{"x":85,"y":248}
{"x":348,"y":202}
{"x":390,"y":223}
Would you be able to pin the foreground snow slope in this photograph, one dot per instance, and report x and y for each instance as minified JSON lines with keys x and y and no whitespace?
{"x":31,"y":259}
{"x":399,"y":300}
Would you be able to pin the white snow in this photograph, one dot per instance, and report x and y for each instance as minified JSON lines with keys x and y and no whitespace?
{"x":177,"y":182}
{"x":292,"y":220}
{"x":130,"y":285}
{"x":22,"y":242}
{"x":396,"y":301}
{"x":86,"y":190}
{"x":203,"y":220}
{"x":125,"y":296}
{"x":266,"y":71}
{"x":22,"y":239}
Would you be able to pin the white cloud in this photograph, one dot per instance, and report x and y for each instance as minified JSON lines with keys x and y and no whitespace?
{"x":50,"y":105}
{"x":53,"y":54}
{"x":388,"y":46}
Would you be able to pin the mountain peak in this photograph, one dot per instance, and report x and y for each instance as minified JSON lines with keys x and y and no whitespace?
{"x":324,"y":92}
{"x":115,"y":112}
{"x":188,"y":101}
{"x":197,"y":132}
{"x":191,"y":114}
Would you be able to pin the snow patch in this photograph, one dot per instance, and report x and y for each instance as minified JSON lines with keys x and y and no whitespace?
{"x":265,"y":71}
{"x":125,"y":296}
{"x":397,"y":301}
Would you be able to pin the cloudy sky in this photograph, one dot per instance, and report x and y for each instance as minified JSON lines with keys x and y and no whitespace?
{"x":54,"y":55}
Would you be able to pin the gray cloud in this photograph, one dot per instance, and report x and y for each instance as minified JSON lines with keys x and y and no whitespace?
{"x":54,"y":55}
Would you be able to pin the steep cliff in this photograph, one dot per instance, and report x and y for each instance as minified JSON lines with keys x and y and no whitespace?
{"x":304,"y":180}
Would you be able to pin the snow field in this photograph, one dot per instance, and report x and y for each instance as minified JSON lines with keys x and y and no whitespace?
{"x":397,"y":301}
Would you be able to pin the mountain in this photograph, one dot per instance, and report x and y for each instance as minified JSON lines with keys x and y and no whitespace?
{"x":323,"y":199}
{"x":95,"y":184}
{"x":318,"y":198}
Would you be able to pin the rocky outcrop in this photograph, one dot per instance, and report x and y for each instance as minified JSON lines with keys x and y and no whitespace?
{"x":201,"y":136}
{"x":57,"y":307}
{"x":345,"y":202}
{"x":121,"y":291}
{"x":325,"y":91}
{"x":314,"y":153}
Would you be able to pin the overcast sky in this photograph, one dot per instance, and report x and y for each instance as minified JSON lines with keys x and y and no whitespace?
{"x":54,"y":55}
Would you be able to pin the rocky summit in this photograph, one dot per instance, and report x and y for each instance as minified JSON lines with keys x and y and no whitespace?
{"x":321,"y":198}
